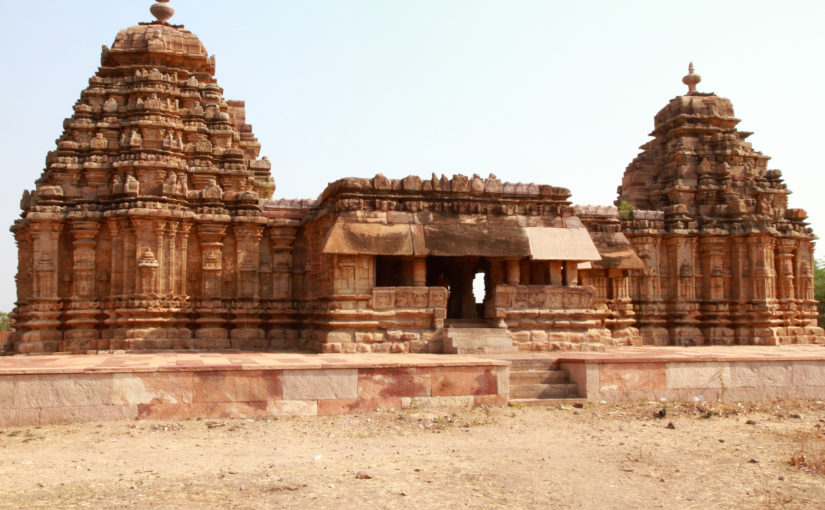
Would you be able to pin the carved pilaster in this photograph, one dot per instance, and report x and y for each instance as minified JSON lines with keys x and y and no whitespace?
{"x":248,"y":239}
{"x":211,"y":236}
{"x":83,"y":257}
{"x":281,"y":240}
{"x":182,"y":240}
{"x":46,"y":237}
{"x":785,"y":249}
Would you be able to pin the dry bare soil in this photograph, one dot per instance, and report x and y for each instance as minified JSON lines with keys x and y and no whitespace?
{"x":597,"y":456}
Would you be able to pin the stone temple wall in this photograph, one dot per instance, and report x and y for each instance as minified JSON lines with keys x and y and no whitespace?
{"x":152,"y":227}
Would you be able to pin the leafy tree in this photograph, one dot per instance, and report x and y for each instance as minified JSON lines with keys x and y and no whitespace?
{"x":626,"y":210}
{"x":819,"y":288}
{"x":5,"y":322}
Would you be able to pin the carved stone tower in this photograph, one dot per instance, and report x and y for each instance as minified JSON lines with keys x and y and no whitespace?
{"x":726,"y":260}
{"x":144,"y":229}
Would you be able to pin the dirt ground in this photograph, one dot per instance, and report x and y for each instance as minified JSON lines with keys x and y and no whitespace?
{"x":597,"y":456}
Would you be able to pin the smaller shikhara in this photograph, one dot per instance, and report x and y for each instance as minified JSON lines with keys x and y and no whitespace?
{"x":153,"y":227}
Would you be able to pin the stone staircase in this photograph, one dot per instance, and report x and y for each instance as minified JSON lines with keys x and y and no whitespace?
{"x":478,"y":340}
{"x":537,"y":381}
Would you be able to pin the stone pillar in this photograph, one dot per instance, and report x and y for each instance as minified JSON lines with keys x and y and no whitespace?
{"x":170,"y":256}
{"x":784,"y":257}
{"x":248,"y":239}
{"x":211,"y":308}
{"x":116,"y":277}
{"x":513,"y":273}
{"x":210,"y":236}
{"x":182,"y":240}
{"x":81,"y":334}
{"x":619,"y":284}
{"x":555,"y":267}
{"x":46,"y":236}
{"x":281,"y":240}
{"x":159,"y":251}
{"x":41,"y":333}
{"x":246,"y":312}
{"x":762,"y":259}
{"x":83,"y":258}
{"x":571,"y":272}
{"x":711,"y":252}
{"x":465,"y":284}
{"x":496,"y":273}
{"x":128,"y":252}
{"x":419,"y":272}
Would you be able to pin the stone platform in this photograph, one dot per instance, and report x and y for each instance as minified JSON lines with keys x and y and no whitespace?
{"x":40,"y":390}
{"x":731,"y":373}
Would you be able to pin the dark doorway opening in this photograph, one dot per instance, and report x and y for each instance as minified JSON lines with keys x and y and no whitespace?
{"x":458,"y":274}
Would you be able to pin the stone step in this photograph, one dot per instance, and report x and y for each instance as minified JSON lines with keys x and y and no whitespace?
{"x":533,"y":364}
{"x":543,"y":391}
{"x":545,"y":402}
{"x":478,"y":341}
{"x":477,"y":333}
{"x":538,"y":377}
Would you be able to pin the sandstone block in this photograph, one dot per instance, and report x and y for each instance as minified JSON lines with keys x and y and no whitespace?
{"x":808,"y":373}
{"x":698,"y":375}
{"x":376,"y":383}
{"x":70,"y":390}
{"x":237,"y":386}
{"x":538,"y":336}
{"x":631,"y":376}
{"x":75,"y":414}
{"x":503,"y":380}
{"x":7,"y":383}
{"x":320,"y":384}
{"x":152,"y":388}
{"x":450,"y":381}
{"x":341,"y":337}
{"x":761,"y":375}
{"x":361,"y":337}
{"x":19,"y":417}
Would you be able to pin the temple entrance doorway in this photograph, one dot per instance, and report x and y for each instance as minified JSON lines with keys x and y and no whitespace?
{"x":468,"y":282}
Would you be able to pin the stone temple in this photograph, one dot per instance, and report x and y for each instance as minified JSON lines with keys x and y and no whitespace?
{"x":153,"y":227}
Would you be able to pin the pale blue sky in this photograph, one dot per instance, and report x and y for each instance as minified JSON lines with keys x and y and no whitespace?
{"x":560,"y":93}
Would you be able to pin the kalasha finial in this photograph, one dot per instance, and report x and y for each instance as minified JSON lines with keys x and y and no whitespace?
{"x":691,"y":79}
{"x":161,"y":11}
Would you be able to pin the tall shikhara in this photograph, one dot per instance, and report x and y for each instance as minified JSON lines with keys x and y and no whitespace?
{"x":154,"y":174}
{"x":726,"y":260}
